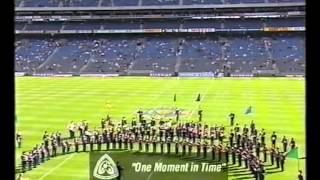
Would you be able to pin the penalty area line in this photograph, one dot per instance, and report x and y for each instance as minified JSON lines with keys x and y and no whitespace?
{"x":56,"y":167}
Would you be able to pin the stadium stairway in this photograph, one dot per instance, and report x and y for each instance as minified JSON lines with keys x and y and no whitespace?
{"x":100,"y":2}
{"x":178,"y":63}
{"x":21,"y":4}
{"x":50,"y":57}
{"x":84,"y":67}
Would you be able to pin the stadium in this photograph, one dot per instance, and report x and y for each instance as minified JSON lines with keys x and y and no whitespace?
{"x":169,"y":74}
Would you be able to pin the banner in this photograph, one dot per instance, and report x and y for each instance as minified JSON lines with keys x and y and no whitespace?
{"x":241,"y":75}
{"x":99,"y":75}
{"x":153,"y":166}
{"x":18,"y":74}
{"x":161,"y":74}
{"x":196,"y":74}
{"x":62,"y":75}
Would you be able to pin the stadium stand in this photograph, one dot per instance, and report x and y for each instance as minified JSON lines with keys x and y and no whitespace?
{"x":160,"y":53}
{"x":243,"y":24}
{"x":192,"y":2}
{"x":94,"y":3}
{"x":31,"y":53}
{"x":40,"y":3}
{"x":126,"y":3}
{"x":255,"y":23}
{"x":159,"y":2}
{"x":82,"y":25}
{"x":43,"y":26}
{"x":207,"y":23}
{"x":287,"y":22}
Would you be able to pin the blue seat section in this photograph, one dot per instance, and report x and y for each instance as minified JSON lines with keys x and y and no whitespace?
{"x":240,"y":53}
{"x":161,"y":24}
{"x":245,"y":47}
{"x":289,"y":22}
{"x":31,"y":53}
{"x":82,"y":25}
{"x":93,"y":3}
{"x":285,"y":1}
{"x":41,"y":3}
{"x":253,"y":1}
{"x":121,"y":24}
{"x":19,"y":25}
{"x":243,"y":24}
{"x":84,"y":3}
{"x":44,"y":26}
{"x":159,"y":2}
{"x":106,"y":3}
{"x":233,"y":1}
{"x":114,"y":54}
{"x":284,"y":48}
{"x":199,"y":2}
{"x":206,"y":23}
{"x":73,"y":54}
{"x":125,"y":2}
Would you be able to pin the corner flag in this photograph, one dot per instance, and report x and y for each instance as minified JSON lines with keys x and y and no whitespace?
{"x":198,"y":98}
{"x":293,"y":153}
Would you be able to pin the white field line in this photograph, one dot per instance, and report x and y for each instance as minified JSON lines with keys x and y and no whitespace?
{"x":57,"y":166}
{"x":150,"y":175}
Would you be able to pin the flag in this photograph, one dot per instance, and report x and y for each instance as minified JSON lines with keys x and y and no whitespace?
{"x":175,"y":98}
{"x":198,"y":98}
{"x":293,"y":153}
{"x":248,"y":111}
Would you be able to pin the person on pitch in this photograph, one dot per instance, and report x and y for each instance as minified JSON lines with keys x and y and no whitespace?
{"x":231,"y":116}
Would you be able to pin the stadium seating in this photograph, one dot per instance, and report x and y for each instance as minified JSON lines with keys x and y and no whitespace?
{"x":85,"y":3}
{"x":252,"y":1}
{"x":44,"y":26}
{"x":106,"y":3}
{"x":112,"y":55}
{"x":161,"y":24}
{"x":160,"y":53}
{"x":19,"y":26}
{"x":243,"y":48}
{"x":41,"y":3}
{"x":285,"y":1}
{"x":159,"y":2}
{"x":126,"y":2}
{"x":243,"y":24}
{"x":82,"y":25}
{"x":289,"y":22}
{"x":92,"y":3}
{"x":69,"y":58}
{"x":31,"y":53}
{"x":191,"y":2}
{"x":121,"y":25}
{"x":208,"y":23}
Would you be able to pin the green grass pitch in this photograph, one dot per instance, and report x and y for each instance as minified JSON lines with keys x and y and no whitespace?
{"x":51,"y":103}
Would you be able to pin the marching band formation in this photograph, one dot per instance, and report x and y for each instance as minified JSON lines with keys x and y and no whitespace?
{"x":246,"y":146}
